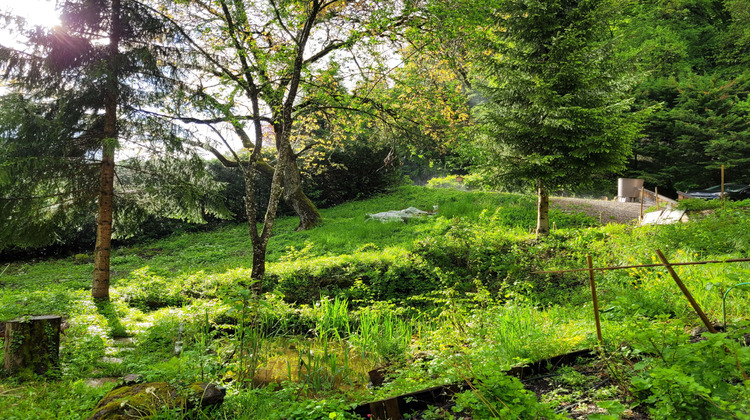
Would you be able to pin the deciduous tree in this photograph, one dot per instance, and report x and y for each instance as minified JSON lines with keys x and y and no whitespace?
{"x":262,"y":64}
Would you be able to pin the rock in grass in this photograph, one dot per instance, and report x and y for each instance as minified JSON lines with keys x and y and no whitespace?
{"x":145,"y":400}
{"x":131,"y":379}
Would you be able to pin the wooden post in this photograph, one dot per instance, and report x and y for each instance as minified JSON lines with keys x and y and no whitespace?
{"x":595,"y":300}
{"x":722,"y":187}
{"x":686,"y":292}
{"x":32,"y":345}
{"x":386,"y":410}
{"x":642,"y":196}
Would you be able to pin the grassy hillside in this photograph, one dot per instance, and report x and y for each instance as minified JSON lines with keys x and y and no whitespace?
{"x":437,"y":299}
{"x":347,"y":236}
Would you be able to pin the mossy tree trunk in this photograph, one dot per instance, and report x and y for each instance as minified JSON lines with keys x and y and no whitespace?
{"x":309,"y":216}
{"x":32,"y":345}
{"x":308,"y":213}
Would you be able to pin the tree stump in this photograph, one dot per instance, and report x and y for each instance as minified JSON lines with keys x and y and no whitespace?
{"x":32,"y":345}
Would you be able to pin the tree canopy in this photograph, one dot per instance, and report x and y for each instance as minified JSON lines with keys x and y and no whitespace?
{"x":693,"y":55}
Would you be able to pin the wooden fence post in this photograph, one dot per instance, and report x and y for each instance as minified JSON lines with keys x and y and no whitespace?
{"x":722,"y":187}
{"x":640,"y":219}
{"x":595,"y":300}
{"x":686,"y":292}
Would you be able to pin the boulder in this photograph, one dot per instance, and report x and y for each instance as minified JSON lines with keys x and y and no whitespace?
{"x":144,"y":400}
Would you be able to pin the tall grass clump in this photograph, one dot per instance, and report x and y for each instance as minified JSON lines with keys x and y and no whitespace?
{"x":333,"y":319}
{"x":383,"y":334}
{"x":651,"y":291}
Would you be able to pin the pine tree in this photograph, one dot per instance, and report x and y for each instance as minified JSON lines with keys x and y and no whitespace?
{"x":78,"y":93}
{"x":695,"y":58}
{"x":554,"y":100}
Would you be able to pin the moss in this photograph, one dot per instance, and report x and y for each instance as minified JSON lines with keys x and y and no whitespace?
{"x":197,"y":389}
{"x":141,"y":400}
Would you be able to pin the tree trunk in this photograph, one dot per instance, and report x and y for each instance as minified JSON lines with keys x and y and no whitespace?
{"x":259,"y":252}
{"x":308,"y":214}
{"x":100,"y":284}
{"x":259,"y":267}
{"x":32,"y":345}
{"x":542,"y":210}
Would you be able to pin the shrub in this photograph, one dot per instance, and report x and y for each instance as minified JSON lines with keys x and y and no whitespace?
{"x":448,"y":181}
{"x":677,"y":378}
{"x":353,"y":171}
{"x":391,"y":274}
{"x":149,"y":289}
{"x":497,"y":395}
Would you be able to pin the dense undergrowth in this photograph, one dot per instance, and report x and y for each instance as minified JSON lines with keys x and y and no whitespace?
{"x":443,"y":298}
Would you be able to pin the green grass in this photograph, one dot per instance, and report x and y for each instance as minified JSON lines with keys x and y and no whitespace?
{"x":435,"y":297}
{"x":55,"y":285}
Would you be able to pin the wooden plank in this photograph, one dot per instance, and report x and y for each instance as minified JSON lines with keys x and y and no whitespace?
{"x":395,"y":407}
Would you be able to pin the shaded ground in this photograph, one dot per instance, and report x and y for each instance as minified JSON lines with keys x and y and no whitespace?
{"x":574,"y":391}
{"x":606,"y":211}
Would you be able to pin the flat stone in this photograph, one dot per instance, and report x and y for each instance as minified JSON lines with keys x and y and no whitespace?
{"x":123,"y":341}
{"x":132,"y":379}
{"x":111,"y":351}
{"x":211,"y":394}
{"x":97,"y":382}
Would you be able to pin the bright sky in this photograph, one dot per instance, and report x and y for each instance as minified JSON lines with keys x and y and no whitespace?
{"x":37,"y":12}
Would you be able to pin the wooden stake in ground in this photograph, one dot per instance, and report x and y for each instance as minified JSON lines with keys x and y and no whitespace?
{"x":595,"y":300}
{"x":722,"y":187}
{"x":686,"y":292}
{"x":656,"y":194}
{"x":641,"y":219}
{"x":32,"y":345}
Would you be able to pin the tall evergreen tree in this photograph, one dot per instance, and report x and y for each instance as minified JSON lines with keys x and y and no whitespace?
{"x":555,"y":104}
{"x":79,"y":89}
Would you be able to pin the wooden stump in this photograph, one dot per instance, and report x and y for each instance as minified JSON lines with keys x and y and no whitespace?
{"x":32,"y":345}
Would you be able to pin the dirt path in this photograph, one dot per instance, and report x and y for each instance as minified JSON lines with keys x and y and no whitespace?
{"x":606,"y":211}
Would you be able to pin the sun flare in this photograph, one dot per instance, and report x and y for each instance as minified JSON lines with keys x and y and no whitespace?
{"x":36,"y":12}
